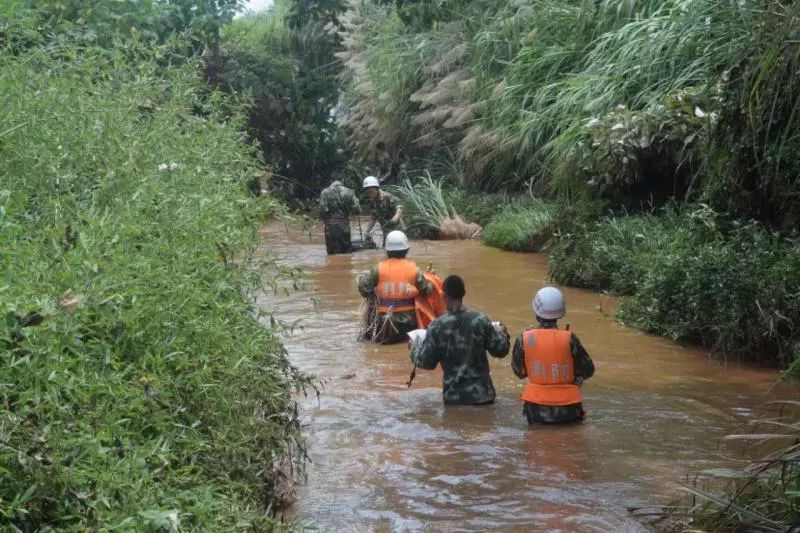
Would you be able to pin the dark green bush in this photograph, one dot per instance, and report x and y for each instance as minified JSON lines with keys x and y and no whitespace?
{"x":138,"y":388}
{"x":691,"y":276}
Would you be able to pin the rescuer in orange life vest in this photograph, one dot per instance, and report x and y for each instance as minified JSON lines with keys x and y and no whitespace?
{"x":554,"y":361}
{"x":395,"y":283}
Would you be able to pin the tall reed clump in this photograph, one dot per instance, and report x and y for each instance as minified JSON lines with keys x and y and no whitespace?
{"x":424,"y":204}
{"x":692,"y":275}
{"x":138,"y":388}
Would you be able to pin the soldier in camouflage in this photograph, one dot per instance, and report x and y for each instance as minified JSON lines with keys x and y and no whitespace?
{"x":385,"y":207}
{"x":459,"y":340}
{"x":336,"y":204}
{"x":583,"y":367}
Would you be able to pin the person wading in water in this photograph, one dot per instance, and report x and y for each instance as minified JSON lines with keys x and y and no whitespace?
{"x":459,"y":340}
{"x":554,"y":361}
{"x":336,"y":204}
{"x":392,"y":286}
{"x":386,"y":208}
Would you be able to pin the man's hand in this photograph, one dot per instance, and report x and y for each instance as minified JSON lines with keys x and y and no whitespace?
{"x":500,"y":328}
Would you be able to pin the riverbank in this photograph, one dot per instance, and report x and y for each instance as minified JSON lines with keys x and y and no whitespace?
{"x":139,"y":387}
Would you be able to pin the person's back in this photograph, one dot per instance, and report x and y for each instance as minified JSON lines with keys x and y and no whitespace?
{"x":336,"y":204}
{"x":338,"y":201}
{"x":459,"y":340}
{"x":394,"y":283}
{"x":555,"y":363}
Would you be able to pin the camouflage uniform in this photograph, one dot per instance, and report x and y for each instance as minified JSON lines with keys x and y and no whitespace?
{"x":459,"y":340}
{"x":383,"y":209}
{"x":401,"y":322}
{"x":584,"y":369}
{"x":336,"y":204}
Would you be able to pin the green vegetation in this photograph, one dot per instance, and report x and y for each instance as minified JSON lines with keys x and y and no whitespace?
{"x":610,"y":107}
{"x":521,"y":226}
{"x":139,"y":390}
{"x":692,"y":275}
{"x":630,"y":102}
{"x":281,"y":63}
{"x":762,"y":496}
{"x":424,"y":204}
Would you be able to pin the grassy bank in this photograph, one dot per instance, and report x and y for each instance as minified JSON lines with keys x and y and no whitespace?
{"x":138,"y":388}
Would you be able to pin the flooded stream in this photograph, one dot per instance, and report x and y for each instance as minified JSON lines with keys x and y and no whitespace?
{"x":385,"y":458}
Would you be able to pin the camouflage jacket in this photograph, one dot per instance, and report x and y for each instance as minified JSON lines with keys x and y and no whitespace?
{"x":383,"y":209}
{"x":459,"y":340}
{"x":368,"y":282}
{"x":584,"y":369}
{"x":337,"y":201}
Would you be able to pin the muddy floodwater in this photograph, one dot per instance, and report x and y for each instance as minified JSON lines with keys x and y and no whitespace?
{"x":386,"y":458}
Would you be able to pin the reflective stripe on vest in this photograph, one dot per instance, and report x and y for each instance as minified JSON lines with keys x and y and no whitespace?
{"x":397,"y":285}
{"x":551,"y":372}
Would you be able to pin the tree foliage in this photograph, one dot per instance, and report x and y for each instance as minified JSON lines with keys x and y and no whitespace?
{"x":283,"y":61}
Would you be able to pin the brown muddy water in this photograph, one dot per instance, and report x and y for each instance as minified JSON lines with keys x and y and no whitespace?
{"x":385,"y":458}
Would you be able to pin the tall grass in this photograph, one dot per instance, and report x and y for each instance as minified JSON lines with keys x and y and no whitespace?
{"x":138,"y":388}
{"x":615,"y":99}
{"x":521,"y":226}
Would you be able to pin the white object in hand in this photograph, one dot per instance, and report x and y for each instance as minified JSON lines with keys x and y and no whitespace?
{"x":417,"y":335}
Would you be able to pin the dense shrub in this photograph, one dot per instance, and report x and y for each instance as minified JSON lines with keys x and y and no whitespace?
{"x":692,"y":276}
{"x":138,"y":388}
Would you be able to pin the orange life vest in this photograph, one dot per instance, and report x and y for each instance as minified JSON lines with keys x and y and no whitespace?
{"x":397,"y":285}
{"x":551,"y":371}
{"x":431,"y":305}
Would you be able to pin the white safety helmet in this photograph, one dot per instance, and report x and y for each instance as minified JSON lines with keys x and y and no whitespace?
{"x":549,"y":304}
{"x":370,"y":181}
{"x":396,"y":241}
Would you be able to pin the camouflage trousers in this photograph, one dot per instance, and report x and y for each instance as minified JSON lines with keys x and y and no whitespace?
{"x":337,"y":236}
{"x":553,"y":414}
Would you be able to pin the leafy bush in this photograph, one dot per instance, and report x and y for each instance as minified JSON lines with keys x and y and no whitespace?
{"x":138,"y":388}
{"x":692,"y":276}
{"x":522,"y":225}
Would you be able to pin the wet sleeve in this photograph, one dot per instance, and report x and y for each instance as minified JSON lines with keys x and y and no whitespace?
{"x":393,"y":204}
{"x":425,"y":354}
{"x":367,"y":282}
{"x":518,"y":359}
{"x":423,"y":285}
{"x":584,"y":367}
{"x":354,"y":205}
{"x":497,"y":343}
